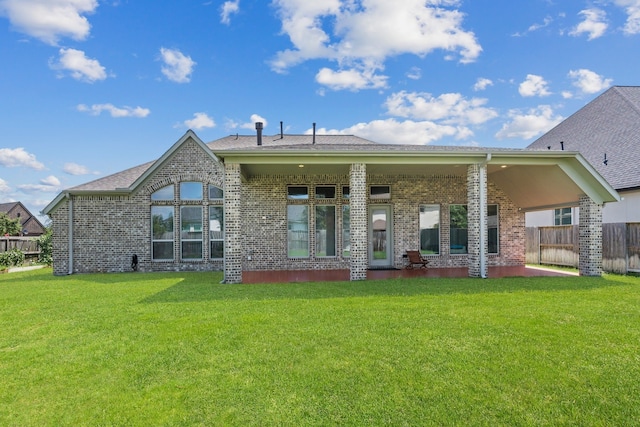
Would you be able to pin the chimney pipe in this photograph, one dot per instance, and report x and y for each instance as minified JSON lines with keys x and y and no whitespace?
{"x":314,"y":133}
{"x":259,"y":130}
{"x":281,"y":131}
{"x":562,"y":145}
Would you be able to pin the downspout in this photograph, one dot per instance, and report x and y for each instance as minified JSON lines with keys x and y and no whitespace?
{"x":70,"y":233}
{"x":483,"y":217}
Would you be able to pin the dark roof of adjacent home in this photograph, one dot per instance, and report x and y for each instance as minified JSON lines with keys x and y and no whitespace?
{"x":606,"y":132}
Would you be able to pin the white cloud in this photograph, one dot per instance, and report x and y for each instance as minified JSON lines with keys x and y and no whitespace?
{"x":526,"y":125}
{"x":448,"y":108}
{"x":588,"y":81}
{"x":482,"y":83}
{"x":177,"y":66}
{"x":18,"y":157}
{"x":80,"y":67}
{"x":350,"y":79}
{"x":415,"y":73}
{"x":77,"y":170}
{"x":227,"y":9}
{"x":594,"y":23}
{"x":535,"y":27}
{"x":361,"y":35}
{"x":48,"y":184}
{"x":533,"y":86}
{"x":4,"y":186}
{"x":200,"y":121}
{"x":632,"y":8}
{"x":392,"y":131}
{"x":117,"y":112}
{"x":251,"y":124}
{"x":49,"y":20}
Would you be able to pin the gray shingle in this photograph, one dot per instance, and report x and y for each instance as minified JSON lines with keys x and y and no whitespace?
{"x":609,"y":124}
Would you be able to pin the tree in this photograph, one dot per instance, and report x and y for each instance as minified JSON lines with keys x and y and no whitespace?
{"x":8,"y":226}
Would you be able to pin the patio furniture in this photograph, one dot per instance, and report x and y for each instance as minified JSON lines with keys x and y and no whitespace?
{"x":414,"y":258}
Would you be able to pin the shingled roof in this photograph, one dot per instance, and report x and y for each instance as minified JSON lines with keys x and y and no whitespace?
{"x":607,"y":126}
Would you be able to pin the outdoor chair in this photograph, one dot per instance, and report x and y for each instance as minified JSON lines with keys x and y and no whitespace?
{"x":414,"y":258}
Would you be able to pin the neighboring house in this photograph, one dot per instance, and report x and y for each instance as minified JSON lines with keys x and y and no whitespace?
{"x":31,"y":226}
{"x":606,"y":132}
{"x":300,"y":202}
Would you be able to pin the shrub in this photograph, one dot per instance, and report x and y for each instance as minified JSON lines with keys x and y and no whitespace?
{"x":12,"y":258}
{"x":46,"y":247}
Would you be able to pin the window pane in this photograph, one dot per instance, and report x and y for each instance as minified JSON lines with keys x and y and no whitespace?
{"x":216,"y":232}
{"x":297,"y":192}
{"x":162,"y":232}
{"x":380,"y":192}
{"x":346,"y":192}
{"x":298,"y":231}
{"x":191,"y":231}
{"x":325,"y":231}
{"x":458,"y":229}
{"x":217,"y":249}
{"x":346,"y":231}
{"x":191,"y":249}
{"x":430,"y":229}
{"x":492,"y":225}
{"x":162,"y":222}
{"x":215,"y":193}
{"x":165,"y":193}
{"x":190,"y":191}
{"x":162,"y":250}
{"x":325,"y":192}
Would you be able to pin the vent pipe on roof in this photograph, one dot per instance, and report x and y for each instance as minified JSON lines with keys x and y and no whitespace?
{"x":314,"y":133}
{"x":259,"y":131}
{"x":281,"y":131}
{"x":562,"y":145}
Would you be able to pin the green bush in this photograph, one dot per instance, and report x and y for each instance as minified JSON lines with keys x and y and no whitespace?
{"x":46,"y":248}
{"x":12,"y":258}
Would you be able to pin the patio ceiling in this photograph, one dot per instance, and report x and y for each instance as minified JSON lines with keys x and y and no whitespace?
{"x":534,"y":180}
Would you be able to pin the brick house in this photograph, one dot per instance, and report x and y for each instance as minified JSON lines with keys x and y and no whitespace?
{"x":31,"y":226}
{"x":334,"y":202}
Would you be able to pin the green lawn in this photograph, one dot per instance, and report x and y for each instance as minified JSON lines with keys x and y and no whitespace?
{"x":180,"y":349}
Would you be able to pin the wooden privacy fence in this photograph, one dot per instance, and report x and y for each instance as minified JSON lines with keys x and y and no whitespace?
{"x":559,"y":245}
{"x":28,"y":245}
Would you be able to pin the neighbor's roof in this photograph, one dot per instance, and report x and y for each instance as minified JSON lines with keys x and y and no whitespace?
{"x":609,"y":125}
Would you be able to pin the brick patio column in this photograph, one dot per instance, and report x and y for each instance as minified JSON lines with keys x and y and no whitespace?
{"x":232,"y":224}
{"x":358,"y":212}
{"x":477,"y":220}
{"x":590,"y":238}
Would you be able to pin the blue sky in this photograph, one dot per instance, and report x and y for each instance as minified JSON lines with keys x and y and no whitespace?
{"x":89,"y":88}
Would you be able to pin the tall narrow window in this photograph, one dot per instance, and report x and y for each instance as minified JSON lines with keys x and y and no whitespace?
{"x":458,"y":237}
{"x":216,"y":232}
{"x":346,"y":231}
{"x":430,"y":229}
{"x":298,"y":231}
{"x":162,"y":232}
{"x":325,"y":231}
{"x":492,"y":229}
{"x":191,"y":232}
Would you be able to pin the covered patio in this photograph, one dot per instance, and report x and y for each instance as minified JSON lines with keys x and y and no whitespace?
{"x":290,"y":276}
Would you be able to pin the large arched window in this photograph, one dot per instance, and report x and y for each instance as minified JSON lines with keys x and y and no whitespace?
{"x":185,"y":211}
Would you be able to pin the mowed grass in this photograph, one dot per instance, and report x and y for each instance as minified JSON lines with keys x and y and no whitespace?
{"x":180,"y":349}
